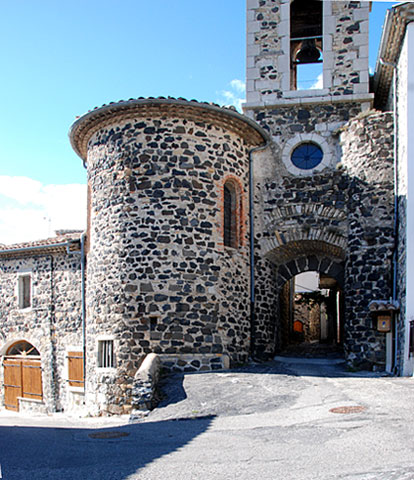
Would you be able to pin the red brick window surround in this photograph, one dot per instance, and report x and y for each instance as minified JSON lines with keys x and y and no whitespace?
{"x":232,"y":213}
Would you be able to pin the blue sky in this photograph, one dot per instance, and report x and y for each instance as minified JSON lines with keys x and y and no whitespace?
{"x":62,"y":58}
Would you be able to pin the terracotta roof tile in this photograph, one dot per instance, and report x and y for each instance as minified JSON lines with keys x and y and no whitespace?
{"x":56,"y":242}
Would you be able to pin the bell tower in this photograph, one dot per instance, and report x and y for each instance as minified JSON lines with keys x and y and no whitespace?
{"x":307,"y":81}
{"x":307,"y":75}
{"x":307,"y":49}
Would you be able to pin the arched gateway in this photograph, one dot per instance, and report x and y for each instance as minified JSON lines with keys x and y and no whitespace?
{"x":290,"y":309}
{"x":310,"y":301}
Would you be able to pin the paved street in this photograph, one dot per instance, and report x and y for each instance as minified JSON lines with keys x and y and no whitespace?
{"x":272,"y":421}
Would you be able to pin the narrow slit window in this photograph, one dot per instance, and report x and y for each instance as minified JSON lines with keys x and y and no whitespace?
{"x":231,"y":215}
{"x":25,"y":291}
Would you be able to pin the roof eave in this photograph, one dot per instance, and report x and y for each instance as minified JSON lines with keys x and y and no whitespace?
{"x":61,"y":247}
{"x":85,"y":123}
{"x":396,"y":21}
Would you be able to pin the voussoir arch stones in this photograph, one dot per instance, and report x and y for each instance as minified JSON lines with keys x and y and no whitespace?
{"x":330,"y":266}
{"x":287,"y":245}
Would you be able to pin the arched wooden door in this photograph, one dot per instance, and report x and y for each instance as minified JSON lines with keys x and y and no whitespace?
{"x":22,"y":374}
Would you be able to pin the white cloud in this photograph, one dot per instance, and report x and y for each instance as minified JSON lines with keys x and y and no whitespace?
{"x":318,"y":83}
{"x":238,"y":85}
{"x":234,"y":95}
{"x":30,"y":210}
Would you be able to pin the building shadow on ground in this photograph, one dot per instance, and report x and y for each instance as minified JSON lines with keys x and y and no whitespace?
{"x":77,"y":453}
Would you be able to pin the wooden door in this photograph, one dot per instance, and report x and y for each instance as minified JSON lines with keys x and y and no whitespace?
{"x":22,"y":378}
{"x":32,"y":379}
{"x":12,"y":383}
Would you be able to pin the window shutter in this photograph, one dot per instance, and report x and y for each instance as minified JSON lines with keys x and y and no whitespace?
{"x":75,"y":366}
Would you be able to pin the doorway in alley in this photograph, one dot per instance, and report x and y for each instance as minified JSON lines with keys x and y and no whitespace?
{"x":311,"y":313}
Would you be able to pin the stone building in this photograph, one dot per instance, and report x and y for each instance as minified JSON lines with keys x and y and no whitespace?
{"x":200,"y":219}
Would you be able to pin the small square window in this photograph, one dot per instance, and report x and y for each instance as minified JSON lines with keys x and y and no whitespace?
{"x":106,"y":357}
{"x":25,"y":291}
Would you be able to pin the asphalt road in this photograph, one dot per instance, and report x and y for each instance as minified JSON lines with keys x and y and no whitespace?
{"x":272,"y":421}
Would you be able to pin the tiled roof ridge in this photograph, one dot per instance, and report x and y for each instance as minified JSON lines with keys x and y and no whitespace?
{"x":70,"y":236}
{"x":182,"y":99}
{"x":86,"y":125}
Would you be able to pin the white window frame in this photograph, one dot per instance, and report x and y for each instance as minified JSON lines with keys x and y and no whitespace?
{"x":104,"y":342}
{"x":292,"y":143}
{"x":328,"y":31}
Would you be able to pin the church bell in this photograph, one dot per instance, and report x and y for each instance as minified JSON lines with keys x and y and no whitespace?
{"x":308,"y":53}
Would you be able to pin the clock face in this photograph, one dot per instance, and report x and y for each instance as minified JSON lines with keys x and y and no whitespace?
{"x":307,"y":156}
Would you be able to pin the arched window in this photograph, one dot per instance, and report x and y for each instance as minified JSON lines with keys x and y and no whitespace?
{"x":231,"y":214}
{"x":305,"y":44}
{"x":23,"y":349}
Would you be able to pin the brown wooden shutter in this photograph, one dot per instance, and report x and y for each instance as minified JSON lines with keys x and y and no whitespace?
{"x":12,"y":384}
{"x":32,"y":379}
{"x":75,"y":366}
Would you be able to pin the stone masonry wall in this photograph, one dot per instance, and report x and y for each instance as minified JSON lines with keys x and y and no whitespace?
{"x":285,"y":123}
{"x":50,"y":323}
{"x":296,"y":217}
{"x":367,"y":144}
{"x":350,"y":47}
{"x":341,"y":215}
{"x":68,"y":322}
{"x":159,"y":278}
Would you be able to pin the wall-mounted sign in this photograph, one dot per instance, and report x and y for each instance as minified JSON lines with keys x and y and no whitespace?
{"x":384,"y":323}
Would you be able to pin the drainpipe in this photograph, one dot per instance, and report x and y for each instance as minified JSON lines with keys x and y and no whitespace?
{"x":83,"y":302}
{"x":396,"y":222}
{"x":52,"y":333}
{"x":251,"y":243}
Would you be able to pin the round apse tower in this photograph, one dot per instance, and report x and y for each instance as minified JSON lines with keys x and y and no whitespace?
{"x":168,"y":238}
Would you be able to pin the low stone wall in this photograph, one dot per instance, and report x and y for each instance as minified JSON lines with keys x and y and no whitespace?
{"x":194,"y":362}
{"x":145,"y":383}
{"x":30,"y":406}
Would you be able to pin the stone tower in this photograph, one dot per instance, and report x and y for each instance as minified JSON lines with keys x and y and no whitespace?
{"x":167,"y":271}
{"x":307,"y":78}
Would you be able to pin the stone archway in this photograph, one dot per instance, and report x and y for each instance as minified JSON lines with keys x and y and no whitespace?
{"x":327,"y":265}
{"x":309,"y":320}
{"x":276,"y":270}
